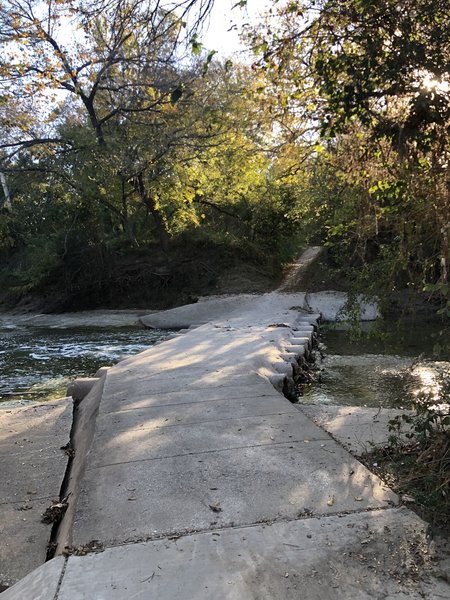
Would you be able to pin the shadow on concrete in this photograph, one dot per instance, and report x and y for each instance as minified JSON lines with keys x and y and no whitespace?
{"x":190,"y":436}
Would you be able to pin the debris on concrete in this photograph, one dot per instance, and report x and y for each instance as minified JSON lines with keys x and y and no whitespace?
{"x":32,"y":466}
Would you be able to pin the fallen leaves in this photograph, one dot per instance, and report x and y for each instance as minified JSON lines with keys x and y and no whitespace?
{"x":55,"y":512}
{"x":215,"y":507}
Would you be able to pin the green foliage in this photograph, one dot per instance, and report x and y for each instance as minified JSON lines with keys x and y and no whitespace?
{"x":196,"y":45}
{"x":385,"y":51}
{"x":431,"y":415}
{"x":374,"y":215}
{"x":192,"y":166}
{"x":6,"y":234}
{"x":417,"y":459}
{"x":371,"y":80}
{"x":442,"y":289}
{"x":148,"y":146}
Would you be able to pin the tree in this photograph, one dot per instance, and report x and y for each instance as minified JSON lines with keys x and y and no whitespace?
{"x":362,"y":54}
{"x":373,"y":77}
{"x":103,"y":53}
{"x":117,"y":62}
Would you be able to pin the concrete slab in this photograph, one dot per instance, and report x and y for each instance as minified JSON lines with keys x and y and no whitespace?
{"x":203,"y":358}
{"x":229,"y":308}
{"x":137,"y":439}
{"x":358,"y":428}
{"x":185,"y":392}
{"x":40,"y":584}
{"x":31,"y":458}
{"x":32,"y":467}
{"x":330,"y":305}
{"x":233,"y":308}
{"x":209,"y":348}
{"x":24,"y":538}
{"x":205,"y":310}
{"x":149,"y":498}
{"x":206,"y":409}
{"x":40,"y":476}
{"x":42,"y":420}
{"x":361,"y":556}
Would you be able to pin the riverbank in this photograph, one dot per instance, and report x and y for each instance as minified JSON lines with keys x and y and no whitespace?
{"x":100,"y":318}
{"x":142,"y":278}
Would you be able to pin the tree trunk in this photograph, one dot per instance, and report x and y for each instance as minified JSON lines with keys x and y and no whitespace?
{"x":7,"y":200}
{"x":161,"y":228}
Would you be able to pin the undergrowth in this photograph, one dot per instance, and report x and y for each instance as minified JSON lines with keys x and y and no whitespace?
{"x":416,"y":461}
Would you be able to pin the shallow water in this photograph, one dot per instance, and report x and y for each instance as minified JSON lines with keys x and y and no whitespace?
{"x":389,"y":369}
{"x":37,"y":364}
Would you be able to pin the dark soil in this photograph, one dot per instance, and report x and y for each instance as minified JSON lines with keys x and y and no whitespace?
{"x":148,"y":278}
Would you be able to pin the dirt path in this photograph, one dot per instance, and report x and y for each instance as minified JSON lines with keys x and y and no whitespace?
{"x":294,"y":277}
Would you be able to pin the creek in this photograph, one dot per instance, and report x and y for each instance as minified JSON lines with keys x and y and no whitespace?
{"x":37,"y":363}
{"x":389,"y":365}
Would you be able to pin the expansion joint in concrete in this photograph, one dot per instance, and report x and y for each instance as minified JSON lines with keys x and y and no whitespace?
{"x":61,"y":577}
{"x":241,"y":396}
{"x":204,"y":452}
{"x":219,"y":420}
{"x":64,"y":494}
{"x":173,"y":536}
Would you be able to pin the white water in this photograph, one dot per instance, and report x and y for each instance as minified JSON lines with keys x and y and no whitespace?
{"x":37,"y":364}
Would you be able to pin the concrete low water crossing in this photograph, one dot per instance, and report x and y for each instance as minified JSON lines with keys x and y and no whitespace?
{"x":192,"y":476}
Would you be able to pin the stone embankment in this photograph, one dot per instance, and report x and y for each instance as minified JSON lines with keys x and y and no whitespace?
{"x":192,"y":476}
